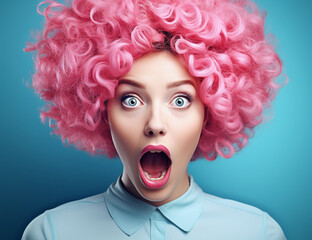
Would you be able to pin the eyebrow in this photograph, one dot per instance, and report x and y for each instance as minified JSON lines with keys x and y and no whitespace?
{"x":131,"y":82}
{"x":179,"y":83}
{"x":140,"y":85}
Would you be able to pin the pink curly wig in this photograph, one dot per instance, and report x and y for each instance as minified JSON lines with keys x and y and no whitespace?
{"x":86,"y":47}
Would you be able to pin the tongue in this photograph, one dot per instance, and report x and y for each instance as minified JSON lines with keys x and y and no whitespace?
{"x":154,"y":163}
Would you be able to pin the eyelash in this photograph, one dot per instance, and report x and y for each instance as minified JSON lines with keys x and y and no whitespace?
{"x":185,"y":96}
{"x":128,"y":96}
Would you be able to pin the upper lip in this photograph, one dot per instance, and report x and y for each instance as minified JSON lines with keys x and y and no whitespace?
{"x":156,"y":148}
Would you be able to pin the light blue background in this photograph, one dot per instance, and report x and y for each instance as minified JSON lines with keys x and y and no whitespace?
{"x":273,"y":173}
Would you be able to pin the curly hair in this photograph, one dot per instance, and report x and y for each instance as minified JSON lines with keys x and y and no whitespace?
{"x":86,"y":46}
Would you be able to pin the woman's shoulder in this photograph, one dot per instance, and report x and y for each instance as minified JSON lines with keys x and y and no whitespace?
{"x":236,"y":216}
{"x":70,"y":215}
{"x":231,"y":205}
{"x":92,"y":201}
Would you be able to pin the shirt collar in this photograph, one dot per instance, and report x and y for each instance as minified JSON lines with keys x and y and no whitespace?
{"x":185,"y":210}
{"x":130,"y":213}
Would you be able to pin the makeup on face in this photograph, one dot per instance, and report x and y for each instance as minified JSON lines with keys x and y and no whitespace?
{"x":156,"y":118}
{"x":155,"y":166}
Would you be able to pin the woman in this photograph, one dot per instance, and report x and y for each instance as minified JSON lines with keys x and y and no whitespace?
{"x":157,"y":83}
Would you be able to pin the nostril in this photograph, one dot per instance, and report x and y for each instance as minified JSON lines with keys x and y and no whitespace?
{"x":154,"y":132}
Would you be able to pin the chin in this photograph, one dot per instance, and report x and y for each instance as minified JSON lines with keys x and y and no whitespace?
{"x":157,"y":197}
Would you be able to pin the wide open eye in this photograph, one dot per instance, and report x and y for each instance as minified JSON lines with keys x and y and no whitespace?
{"x":130,"y":101}
{"x":181,"y":101}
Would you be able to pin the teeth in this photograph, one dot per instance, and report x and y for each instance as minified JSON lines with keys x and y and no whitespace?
{"x":155,"y":151}
{"x":163,"y":173}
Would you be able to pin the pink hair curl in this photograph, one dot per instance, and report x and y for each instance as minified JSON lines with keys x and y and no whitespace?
{"x":86,"y":47}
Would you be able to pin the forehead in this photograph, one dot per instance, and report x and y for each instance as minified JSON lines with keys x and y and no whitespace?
{"x":158,"y":67}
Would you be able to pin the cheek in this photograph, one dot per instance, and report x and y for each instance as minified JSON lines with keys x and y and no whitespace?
{"x":124,"y":131}
{"x":120,"y":131}
{"x":188,"y":132}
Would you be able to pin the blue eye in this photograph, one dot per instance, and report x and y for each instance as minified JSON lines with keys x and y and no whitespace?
{"x":130,"y":101}
{"x":181,"y":101}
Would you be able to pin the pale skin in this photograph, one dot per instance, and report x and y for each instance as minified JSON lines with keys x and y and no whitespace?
{"x":156,"y":103}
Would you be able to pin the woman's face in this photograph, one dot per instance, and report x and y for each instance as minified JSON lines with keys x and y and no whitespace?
{"x":156,"y":119}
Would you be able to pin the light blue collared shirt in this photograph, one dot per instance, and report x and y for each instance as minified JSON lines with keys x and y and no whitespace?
{"x":116,"y":214}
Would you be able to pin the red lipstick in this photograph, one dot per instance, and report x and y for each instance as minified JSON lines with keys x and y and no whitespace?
{"x":155,"y":166}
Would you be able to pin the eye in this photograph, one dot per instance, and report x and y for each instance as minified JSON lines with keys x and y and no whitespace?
{"x":181,"y":101}
{"x":130,"y":101}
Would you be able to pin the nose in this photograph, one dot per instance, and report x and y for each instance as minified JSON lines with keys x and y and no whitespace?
{"x":155,"y":125}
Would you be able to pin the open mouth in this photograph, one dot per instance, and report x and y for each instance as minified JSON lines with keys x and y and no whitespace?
{"x":155,"y":166}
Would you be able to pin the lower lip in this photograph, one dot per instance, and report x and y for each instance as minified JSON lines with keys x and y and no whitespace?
{"x":154,"y":184}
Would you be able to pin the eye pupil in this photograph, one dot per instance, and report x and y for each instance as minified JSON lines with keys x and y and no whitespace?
{"x":179,"y":102}
{"x":132,"y":101}
{"x":129,"y":101}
